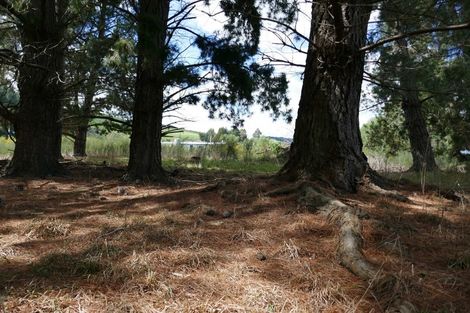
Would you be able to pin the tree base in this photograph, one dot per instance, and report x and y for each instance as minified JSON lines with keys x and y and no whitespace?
{"x":51,"y":170}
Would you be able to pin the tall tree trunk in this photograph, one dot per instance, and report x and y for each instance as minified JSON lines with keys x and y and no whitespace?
{"x":59,"y":155}
{"x":81,"y":132}
{"x":327,"y":143}
{"x":145,"y":147}
{"x":420,"y":141}
{"x":37,"y":123}
{"x":79,"y":144}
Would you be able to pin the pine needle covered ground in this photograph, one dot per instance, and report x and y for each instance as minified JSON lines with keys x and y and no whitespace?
{"x":215,"y":243}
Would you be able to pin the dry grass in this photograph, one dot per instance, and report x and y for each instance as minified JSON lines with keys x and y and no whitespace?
{"x":47,"y":228}
{"x":156,"y":250}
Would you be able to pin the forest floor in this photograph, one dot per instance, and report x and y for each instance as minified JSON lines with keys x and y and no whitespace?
{"x":91,"y":243}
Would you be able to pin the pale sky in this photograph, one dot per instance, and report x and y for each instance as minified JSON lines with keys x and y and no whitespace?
{"x":262,"y":120}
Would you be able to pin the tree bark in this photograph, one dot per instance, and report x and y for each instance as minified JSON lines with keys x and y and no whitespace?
{"x":79,"y":144}
{"x":145,"y":148}
{"x":415,"y":123}
{"x":81,"y":132}
{"x":37,"y":123}
{"x":327,"y":143}
{"x":420,"y":142}
{"x":58,"y":148}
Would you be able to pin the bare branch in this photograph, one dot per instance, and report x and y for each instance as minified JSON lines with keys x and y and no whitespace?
{"x":414,"y":33}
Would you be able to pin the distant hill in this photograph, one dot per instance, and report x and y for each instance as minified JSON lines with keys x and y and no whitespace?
{"x":284,"y":140}
{"x":186,"y":135}
{"x":191,"y":135}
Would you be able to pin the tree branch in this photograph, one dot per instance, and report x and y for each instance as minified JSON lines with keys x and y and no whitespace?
{"x":12,"y":11}
{"x":108,"y":118}
{"x":414,"y":33}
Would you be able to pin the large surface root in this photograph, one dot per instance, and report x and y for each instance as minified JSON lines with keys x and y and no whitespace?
{"x":350,"y":244}
{"x":375,"y":184}
{"x":350,"y":253}
{"x":455,"y":196}
{"x":350,"y":239}
{"x":392,"y":194}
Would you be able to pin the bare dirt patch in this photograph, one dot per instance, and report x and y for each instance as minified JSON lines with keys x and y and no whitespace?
{"x":82,"y":244}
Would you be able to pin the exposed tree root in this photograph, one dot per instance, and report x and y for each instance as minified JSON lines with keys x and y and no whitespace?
{"x":212,"y":187}
{"x":164,"y":179}
{"x":350,"y":244}
{"x":393,"y":194}
{"x":376,"y":184}
{"x":455,"y":196}
{"x":379,"y":180}
{"x":350,"y":248}
{"x":286,"y":190}
{"x":221,"y":184}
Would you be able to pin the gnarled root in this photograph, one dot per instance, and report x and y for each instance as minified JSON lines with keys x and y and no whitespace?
{"x":455,"y":196}
{"x":393,"y":194}
{"x":376,"y":184}
{"x":286,"y":190}
{"x":350,"y":247}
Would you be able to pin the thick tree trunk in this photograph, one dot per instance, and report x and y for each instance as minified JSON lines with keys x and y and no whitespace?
{"x":37,"y":123}
{"x":327,"y":143}
{"x":81,"y":132}
{"x":420,"y":142}
{"x":79,"y":144}
{"x":145,"y":147}
{"x":415,"y":123}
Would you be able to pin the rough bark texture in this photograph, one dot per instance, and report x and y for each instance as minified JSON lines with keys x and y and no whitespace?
{"x":37,"y":123}
{"x":79,"y":143}
{"x":145,"y":148}
{"x":80,"y":135}
{"x":327,"y":143}
{"x":58,"y":148}
{"x":420,"y":142}
{"x":91,"y":86}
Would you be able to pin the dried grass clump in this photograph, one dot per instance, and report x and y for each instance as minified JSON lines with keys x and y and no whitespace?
{"x":129,"y":230}
{"x":41,"y":301}
{"x":254,"y":236}
{"x":328,"y":296}
{"x":196,"y":259}
{"x":190,"y":238}
{"x":429,"y":218}
{"x":139,"y":271}
{"x":461,"y":261}
{"x":102,"y":249}
{"x":60,"y":264}
{"x":139,"y":263}
{"x":290,"y":250}
{"x":160,"y":235}
{"x":6,"y":252}
{"x":394,"y":245}
{"x":324,"y":294}
{"x":47,"y":228}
